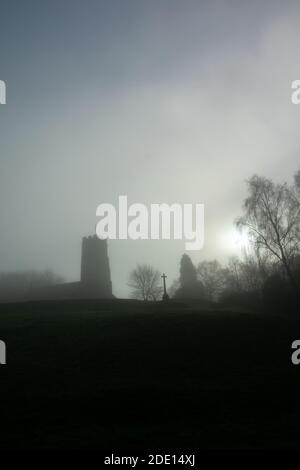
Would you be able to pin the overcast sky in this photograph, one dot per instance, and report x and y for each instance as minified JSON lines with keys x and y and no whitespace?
{"x":161,"y":100}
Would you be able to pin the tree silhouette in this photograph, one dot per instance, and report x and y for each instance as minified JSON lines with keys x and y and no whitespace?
{"x":145,"y":283}
{"x":271,"y":217}
{"x":190,"y":287}
{"x":188,"y":273}
{"x":213,"y":277}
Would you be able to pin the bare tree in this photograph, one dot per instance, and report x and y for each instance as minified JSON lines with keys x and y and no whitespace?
{"x":213,"y":277}
{"x":145,"y":283}
{"x":271,"y":218}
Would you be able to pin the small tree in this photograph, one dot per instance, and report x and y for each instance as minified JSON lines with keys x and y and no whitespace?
{"x":145,"y":283}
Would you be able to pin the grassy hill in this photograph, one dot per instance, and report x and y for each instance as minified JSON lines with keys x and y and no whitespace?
{"x":128,"y":374}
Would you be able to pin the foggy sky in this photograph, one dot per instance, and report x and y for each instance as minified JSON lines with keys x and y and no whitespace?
{"x":161,"y":100}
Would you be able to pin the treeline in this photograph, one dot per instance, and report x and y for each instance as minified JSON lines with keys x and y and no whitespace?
{"x":243,"y":283}
{"x":269,"y":272}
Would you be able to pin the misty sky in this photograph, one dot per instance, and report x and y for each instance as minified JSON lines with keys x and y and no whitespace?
{"x":161,"y":100}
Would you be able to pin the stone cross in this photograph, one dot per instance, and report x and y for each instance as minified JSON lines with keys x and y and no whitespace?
{"x":165,"y":295}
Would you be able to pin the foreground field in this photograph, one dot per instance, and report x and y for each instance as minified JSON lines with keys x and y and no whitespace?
{"x":125,"y":374}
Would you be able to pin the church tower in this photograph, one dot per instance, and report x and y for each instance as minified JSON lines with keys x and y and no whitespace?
{"x":95,"y":270}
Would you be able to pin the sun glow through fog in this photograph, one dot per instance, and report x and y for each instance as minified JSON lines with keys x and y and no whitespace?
{"x":235,"y":241}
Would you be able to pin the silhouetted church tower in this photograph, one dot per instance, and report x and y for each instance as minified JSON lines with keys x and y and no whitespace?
{"x":95,"y":271}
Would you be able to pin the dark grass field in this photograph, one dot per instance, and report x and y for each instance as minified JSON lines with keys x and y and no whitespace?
{"x":125,"y":374}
